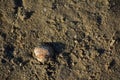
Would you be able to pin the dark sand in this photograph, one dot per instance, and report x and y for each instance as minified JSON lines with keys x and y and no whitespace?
{"x":85,"y":36}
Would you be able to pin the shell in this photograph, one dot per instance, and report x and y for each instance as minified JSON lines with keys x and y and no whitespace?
{"x":42,"y":53}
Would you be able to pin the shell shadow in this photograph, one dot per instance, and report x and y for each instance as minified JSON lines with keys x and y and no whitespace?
{"x":57,"y":47}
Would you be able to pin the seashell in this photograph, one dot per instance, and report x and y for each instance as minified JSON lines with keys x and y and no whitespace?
{"x":42,"y":53}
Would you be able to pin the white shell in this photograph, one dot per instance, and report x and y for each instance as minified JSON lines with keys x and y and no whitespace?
{"x":41,"y":54}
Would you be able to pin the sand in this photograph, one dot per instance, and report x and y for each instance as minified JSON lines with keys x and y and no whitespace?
{"x":84,"y":34}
